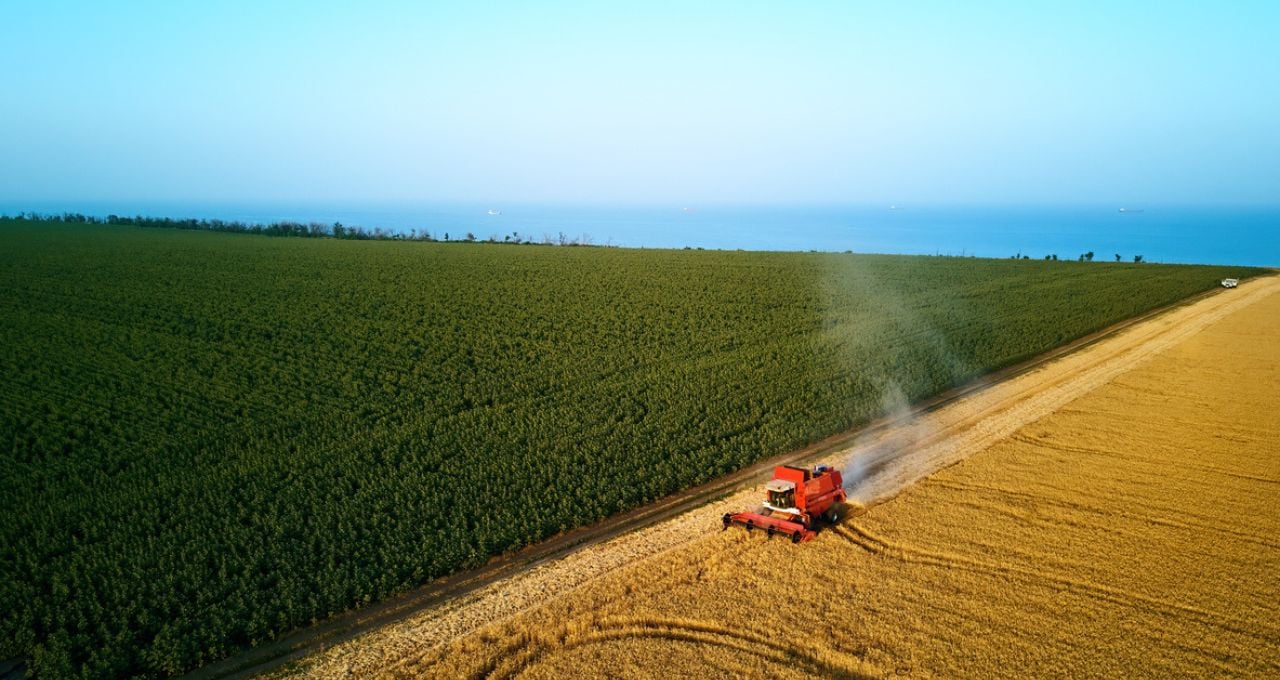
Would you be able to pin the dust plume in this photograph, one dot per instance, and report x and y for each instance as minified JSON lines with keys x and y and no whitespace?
{"x":873,"y":468}
{"x":876,"y":453}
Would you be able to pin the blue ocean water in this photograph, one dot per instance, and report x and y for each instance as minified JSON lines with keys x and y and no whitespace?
{"x":1213,"y":235}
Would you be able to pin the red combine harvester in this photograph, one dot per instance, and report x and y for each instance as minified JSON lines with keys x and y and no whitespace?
{"x":794,"y":499}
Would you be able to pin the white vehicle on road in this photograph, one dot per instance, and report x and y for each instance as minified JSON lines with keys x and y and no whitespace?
{"x":1230,"y":283}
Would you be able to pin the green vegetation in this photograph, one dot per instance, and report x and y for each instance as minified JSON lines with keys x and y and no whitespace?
{"x":289,"y":229}
{"x":209,"y":439}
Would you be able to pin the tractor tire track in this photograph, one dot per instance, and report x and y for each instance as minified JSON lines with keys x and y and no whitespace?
{"x":1186,"y":465}
{"x":523,"y":654}
{"x":1104,"y":515}
{"x":886,"y":548}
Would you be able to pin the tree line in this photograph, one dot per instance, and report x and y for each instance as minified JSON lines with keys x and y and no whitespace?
{"x":1084,"y":257}
{"x":288,"y":228}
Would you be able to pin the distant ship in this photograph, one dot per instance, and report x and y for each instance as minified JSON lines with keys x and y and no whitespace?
{"x":495,"y":212}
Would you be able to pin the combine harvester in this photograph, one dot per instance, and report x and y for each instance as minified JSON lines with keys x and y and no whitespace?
{"x":794,"y":499}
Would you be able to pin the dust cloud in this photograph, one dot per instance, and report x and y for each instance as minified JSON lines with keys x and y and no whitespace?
{"x":874,"y":465}
{"x":872,"y":455}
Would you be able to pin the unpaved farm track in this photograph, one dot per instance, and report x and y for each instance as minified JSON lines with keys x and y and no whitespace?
{"x":896,"y":453}
{"x":923,"y":445}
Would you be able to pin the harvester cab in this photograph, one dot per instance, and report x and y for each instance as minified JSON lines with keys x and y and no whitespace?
{"x":795,"y":499}
{"x":781,"y":494}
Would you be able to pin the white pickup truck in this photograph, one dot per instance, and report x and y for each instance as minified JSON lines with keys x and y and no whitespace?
{"x":1230,"y":283}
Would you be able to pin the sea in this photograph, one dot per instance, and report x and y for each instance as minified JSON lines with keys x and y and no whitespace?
{"x":1242,"y":235}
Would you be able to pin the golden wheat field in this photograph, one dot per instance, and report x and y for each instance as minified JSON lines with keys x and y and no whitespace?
{"x":1132,"y":531}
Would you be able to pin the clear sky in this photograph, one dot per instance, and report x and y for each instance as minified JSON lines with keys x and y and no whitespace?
{"x":844,"y":102}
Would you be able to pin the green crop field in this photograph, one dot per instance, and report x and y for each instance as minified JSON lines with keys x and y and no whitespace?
{"x":209,"y":439}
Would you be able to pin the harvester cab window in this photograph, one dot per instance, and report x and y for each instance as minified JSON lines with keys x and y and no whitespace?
{"x":782,"y":498}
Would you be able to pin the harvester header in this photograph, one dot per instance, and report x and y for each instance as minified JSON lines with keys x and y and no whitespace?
{"x":795,"y":499}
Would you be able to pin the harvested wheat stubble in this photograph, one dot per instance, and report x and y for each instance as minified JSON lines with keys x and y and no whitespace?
{"x":1118,"y":519}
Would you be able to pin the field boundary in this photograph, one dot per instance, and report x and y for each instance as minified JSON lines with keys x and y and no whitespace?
{"x":353,"y":623}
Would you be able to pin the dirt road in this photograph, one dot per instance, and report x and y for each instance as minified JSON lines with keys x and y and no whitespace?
{"x":886,"y":463}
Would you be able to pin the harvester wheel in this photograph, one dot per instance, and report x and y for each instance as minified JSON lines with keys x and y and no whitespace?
{"x":795,"y":538}
{"x":769,"y":532}
{"x":833,"y":514}
{"x":750,"y":525}
{"x":728,"y":519}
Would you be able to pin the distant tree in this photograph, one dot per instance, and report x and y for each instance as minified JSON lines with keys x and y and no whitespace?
{"x":1055,"y":257}
{"x":1137,"y":258}
{"x":1082,"y":257}
{"x":1026,"y":257}
{"x":1047,"y":257}
{"x":1117,"y":257}
{"x":446,"y":237}
{"x":339,"y":231}
{"x":1089,"y":256}
{"x":471,"y":236}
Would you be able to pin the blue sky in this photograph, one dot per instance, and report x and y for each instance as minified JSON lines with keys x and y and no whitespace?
{"x":759,"y":102}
